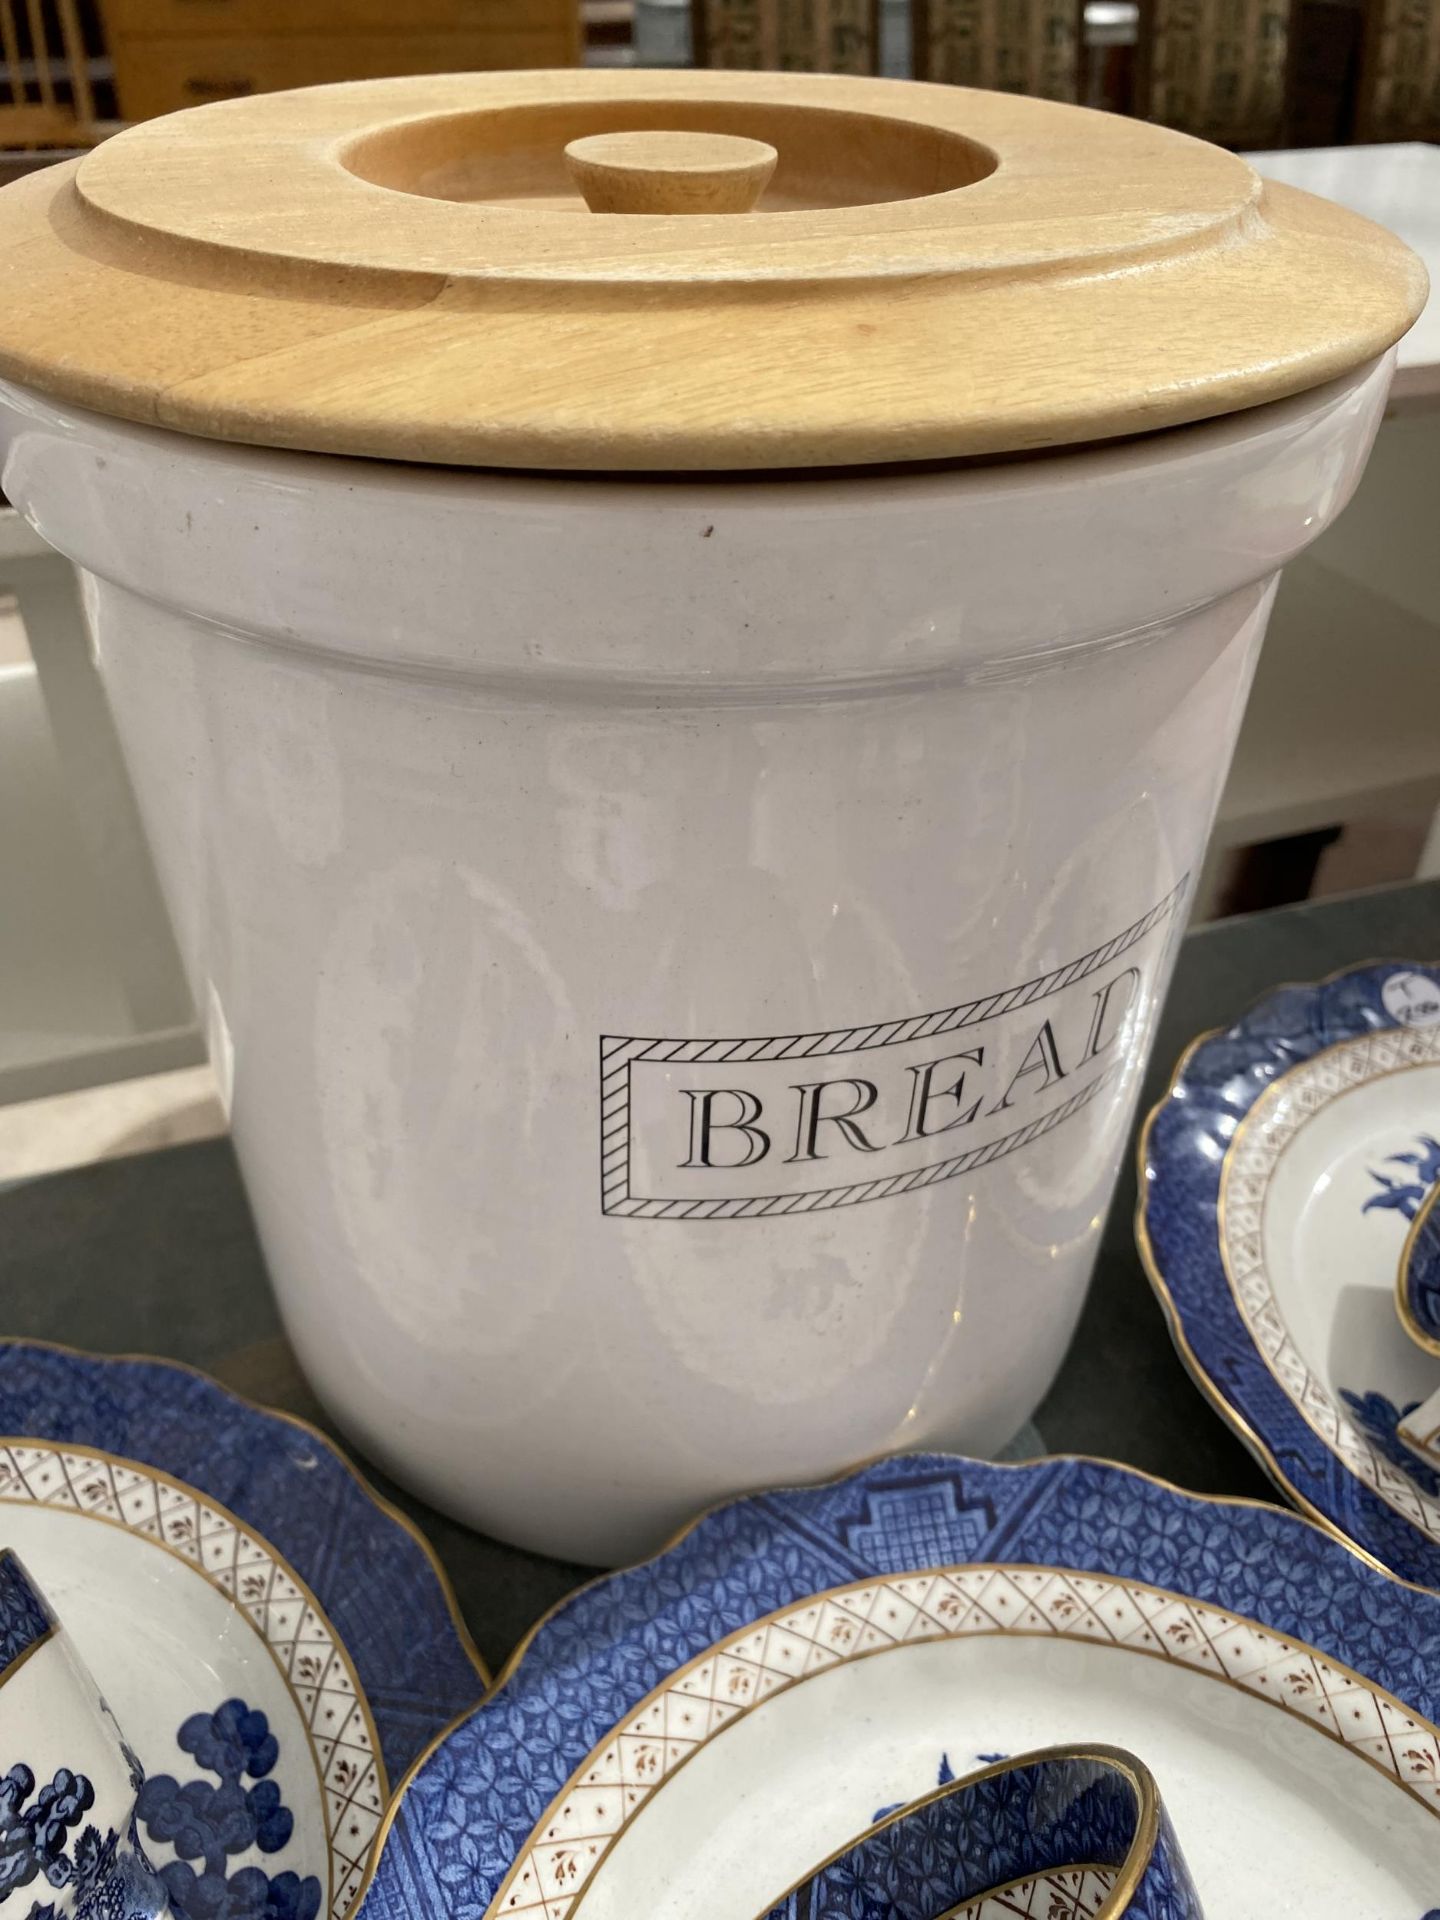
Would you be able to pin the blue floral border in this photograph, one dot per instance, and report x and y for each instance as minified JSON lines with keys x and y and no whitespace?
{"x":1182,"y":1154}
{"x":373,"y":1577}
{"x":471,"y":1807}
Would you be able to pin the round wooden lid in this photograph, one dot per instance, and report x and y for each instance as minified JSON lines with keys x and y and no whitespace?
{"x":678,"y":271}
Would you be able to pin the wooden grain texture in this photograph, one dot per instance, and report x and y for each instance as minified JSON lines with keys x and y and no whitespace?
{"x":670,"y":172}
{"x":404,"y":270}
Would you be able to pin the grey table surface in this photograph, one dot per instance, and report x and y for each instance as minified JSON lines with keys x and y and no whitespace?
{"x":157,"y":1254}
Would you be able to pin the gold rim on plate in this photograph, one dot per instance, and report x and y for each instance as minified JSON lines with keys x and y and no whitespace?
{"x":1150,"y":1264}
{"x":1138,"y":1855}
{"x":371,"y":1492}
{"x":516,"y":1657}
{"x":1429,"y":1341}
{"x":390,"y":1794}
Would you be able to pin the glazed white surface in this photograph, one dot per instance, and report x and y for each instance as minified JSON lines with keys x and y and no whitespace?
{"x":451,"y":776}
{"x":1333,"y":1266}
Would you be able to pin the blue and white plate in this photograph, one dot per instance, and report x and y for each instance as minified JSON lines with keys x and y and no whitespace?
{"x":1279,"y":1176}
{"x":692,"y":1736}
{"x":277,"y":1642}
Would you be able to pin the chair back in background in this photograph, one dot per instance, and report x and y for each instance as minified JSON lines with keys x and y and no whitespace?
{"x":45,"y":98}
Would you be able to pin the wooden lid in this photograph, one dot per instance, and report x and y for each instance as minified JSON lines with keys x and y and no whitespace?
{"x":407,"y":268}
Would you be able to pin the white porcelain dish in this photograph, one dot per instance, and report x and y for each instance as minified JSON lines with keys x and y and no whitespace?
{"x":69,"y":1783}
{"x":1278,"y":1177}
{"x":276,"y":1643}
{"x":683,"y":1738}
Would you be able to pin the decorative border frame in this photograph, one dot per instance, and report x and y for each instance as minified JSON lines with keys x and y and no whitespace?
{"x":619,"y":1053}
{"x":1187,"y":1147}
{"x":1054,"y":1896}
{"x":1068,"y":1530}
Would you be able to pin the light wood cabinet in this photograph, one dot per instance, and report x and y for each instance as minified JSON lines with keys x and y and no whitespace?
{"x":181,"y":53}
{"x":290,"y":19}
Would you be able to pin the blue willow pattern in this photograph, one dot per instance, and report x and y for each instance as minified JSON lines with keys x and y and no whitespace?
{"x":35,"y":1828}
{"x":1037,"y":1815}
{"x":474,"y":1803}
{"x":1221,"y":1080}
{"x":105,"y":1877}
{"x":1404,"y":1193}
{"x":98,"y":1877}
{"x":944,"y":1774}
{"x":210,"y":1823}
{"x":373,"y":1577}
{"x":48,"y":1844}
{"x":1380,"y":1419}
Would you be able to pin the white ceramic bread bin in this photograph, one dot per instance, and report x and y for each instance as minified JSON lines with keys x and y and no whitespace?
{"x":678,"y":739}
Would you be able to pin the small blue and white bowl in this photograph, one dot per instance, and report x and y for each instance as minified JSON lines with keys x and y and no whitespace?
{"x":1061,"y":1831}
{"x":68,"y":1782}
{"x":1418,"y":1286}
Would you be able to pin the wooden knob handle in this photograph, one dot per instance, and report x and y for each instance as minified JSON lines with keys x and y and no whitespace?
{"x":670,"y":172}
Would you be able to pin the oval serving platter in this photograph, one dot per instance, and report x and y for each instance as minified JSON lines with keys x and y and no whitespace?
{"x":688,"y":1736}
{"x":277,"y":1642}
{"x":1278,"y":1178}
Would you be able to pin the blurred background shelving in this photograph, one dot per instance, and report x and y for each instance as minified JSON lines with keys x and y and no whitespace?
{"x":1249,"y":73}
{"x":1336,"y":781}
